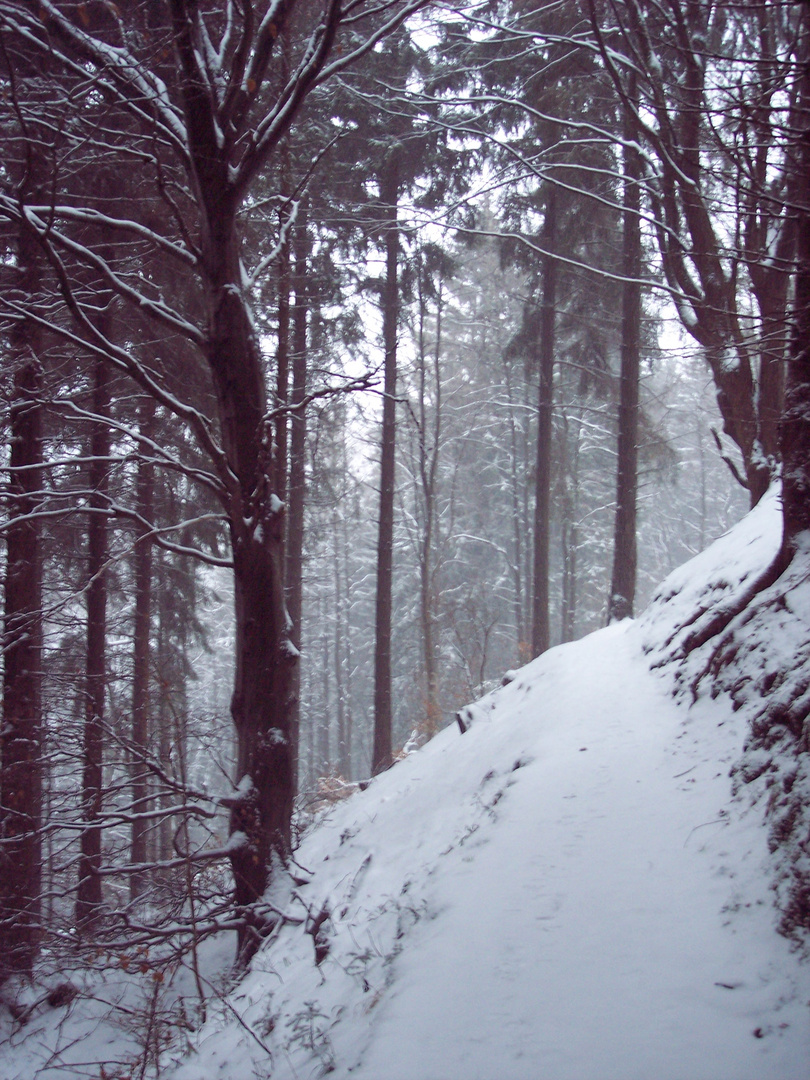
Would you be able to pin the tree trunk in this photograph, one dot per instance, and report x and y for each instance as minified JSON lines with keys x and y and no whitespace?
{"x":294,"y":571}
{"x":429,"y":441}
{"x":341,"y":755}
{"x":345,"y":660}
{"x":264,"y":679}
{"x":771,"y":382}
{"x":383,"y":717}
{"x":88,"y":892}
{"x":165,"y":710}
{"x":324,"y":753}
{"x":569,"y":484}
{"x":515,"y":490}
{"x":623,"y":580}
{"x":145,"y":498}
{"x":795,"y":428}
{"x":283,"y":364}
{"x":21,"y":736}
{"x":545,"y":402}
{"x":262,"y":811}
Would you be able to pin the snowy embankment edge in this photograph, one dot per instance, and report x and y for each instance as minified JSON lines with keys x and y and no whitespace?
{"x":758,"y":665}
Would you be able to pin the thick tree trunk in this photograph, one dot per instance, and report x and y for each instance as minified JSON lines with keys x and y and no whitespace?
{"x":21,"y":736}
{"x":88,"y":892}
{"x":261,"y":709}
{"x":795,"y":428}
{"x":520,"y":526}
{"x":145,"y":498}
{"x":623,"y":580}
{"x":266,"y":662}
{"x":545,"y":404}
{"x":383,"y":717}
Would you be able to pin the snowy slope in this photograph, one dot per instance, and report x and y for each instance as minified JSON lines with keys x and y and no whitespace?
{"x":567,"y":890}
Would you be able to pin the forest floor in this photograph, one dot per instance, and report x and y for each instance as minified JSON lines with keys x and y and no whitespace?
{"x":569,"y":890}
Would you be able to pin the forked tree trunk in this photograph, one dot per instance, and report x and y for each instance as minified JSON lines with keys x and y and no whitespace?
{"x":232,"y":124}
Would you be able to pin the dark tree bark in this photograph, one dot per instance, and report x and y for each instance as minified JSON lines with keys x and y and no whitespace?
{"x":142,"y":636}
{"x":545,"y":405}
{"x":623,"y":580}
{"x":383,"y":716}
{"x":88,"y":892}
{"x":429,"y":441}
{"x":298,"y":448}
{"x":21,"y":734}
{"x":265,"y":664}
{"x":324,"y":725}
{"x":795,"y":427}
{"x":342,"y":755}
{"x":569,"y":486}
{"x":343,"y":635}
{"x":283,"y":365}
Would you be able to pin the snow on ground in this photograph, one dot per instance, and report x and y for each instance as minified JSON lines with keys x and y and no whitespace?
{"x":116,"y":1012}
{"x":567,"y":890}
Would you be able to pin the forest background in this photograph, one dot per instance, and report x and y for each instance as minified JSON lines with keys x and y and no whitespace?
{"x":352,"y":356}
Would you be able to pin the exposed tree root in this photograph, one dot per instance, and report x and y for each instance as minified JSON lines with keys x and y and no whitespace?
{"x":761,"y":662}
{"x":753,"y":650}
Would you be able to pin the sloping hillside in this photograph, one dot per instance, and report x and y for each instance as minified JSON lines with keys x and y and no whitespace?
{"x":567,"y":890}
{"x":585,"y":885}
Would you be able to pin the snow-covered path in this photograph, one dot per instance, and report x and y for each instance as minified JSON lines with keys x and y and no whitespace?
{"x":599,"y":912}
{"x":588,"y":940}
